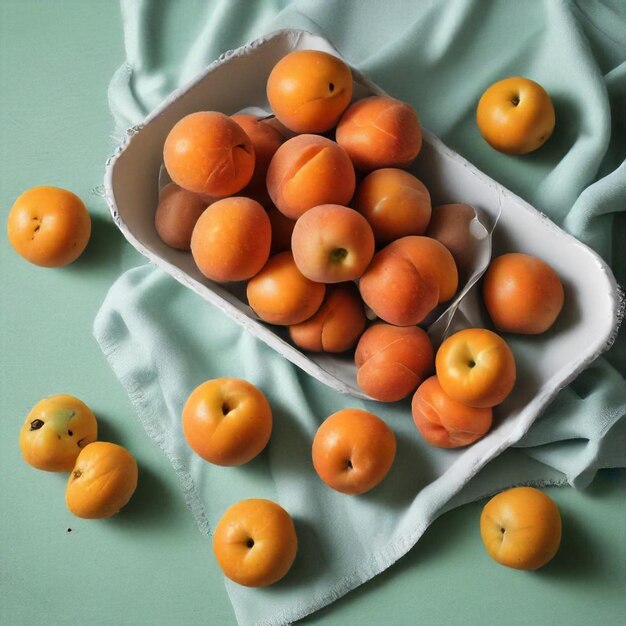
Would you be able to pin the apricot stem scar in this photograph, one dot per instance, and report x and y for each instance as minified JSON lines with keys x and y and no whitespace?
{"x":250,"y":542}
{"x":349,"y":464}
{"x":36,"y":424}
{"x":70,"y":433}
{"x":331,"y":87}
{"x":77,"y":474}
{"x":515,"y":101}
{"x":338,"y":254}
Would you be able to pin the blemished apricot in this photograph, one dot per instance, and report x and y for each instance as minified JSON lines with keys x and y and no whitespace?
{"x":227,"y":421}
{"x":255,"y":542}
{"x":308,"y":90}
{"x":522,"y":293}
{"x":337,"y":325}
{"x":392,"y":361}
{"x":280,"y":294}
{"x":265,"y":140}
{"x":444,"y":422}
{"x":176,"y":215}
{"x":231,"y":239}
{"x":103,"y":480}
{"x":450,"y":225}
{"x":476,"y":366}
{"x":309,"y":170}
{"x":332,"y":243}
{"x":407,"y":279}
{"x":282,"y":229}
{"x":521,"y":528}
{"x":380,"y":132}
{"x":209,"y":153}
{"x":353,"y":450}
{"x":55,"y":431}
{"x":395,"y":203}
{"x":48,"y":226}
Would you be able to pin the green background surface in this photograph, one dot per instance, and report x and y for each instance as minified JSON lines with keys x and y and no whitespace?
{"x":150,"y":565}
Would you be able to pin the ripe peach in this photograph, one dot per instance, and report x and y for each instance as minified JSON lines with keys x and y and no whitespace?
{"x":407,"y":279}
{"x":176,"y":215}
{"x":337,"y":325}
{"x":209,"y":153}
{"x":265,"y":140}
{"x":392,"y":361}
{"x":280,"y":294}
{"x":332,"y":244}
{"x":443,"y":421}
{"x":380,"y":132}
{"x":282,"y":229}
{"x":231,"y":240}
{"x":353,"y":451}
{"x":522,"y":293}
{"x":476,"y":367}
{"x":227,"y":421}
{"x":255,"y":542}
{"x":308,"y":90}
{"x":395,"y":203}
{"x":48,"y":226}
{"x":309,"y":170}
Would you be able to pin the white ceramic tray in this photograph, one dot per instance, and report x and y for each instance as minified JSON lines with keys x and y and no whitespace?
{"x":236,"y":81}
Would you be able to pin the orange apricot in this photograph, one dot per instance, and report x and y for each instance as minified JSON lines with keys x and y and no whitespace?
{"x":308,"y":90}
{"x":209,"y":153}
{"x":309,"y":170}
{"x":176,"y":215}
{"x":380,"y":132}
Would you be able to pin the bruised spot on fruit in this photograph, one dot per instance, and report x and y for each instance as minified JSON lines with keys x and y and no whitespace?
{"x":36,"y":424}
{"x":77,"y":474}
{"x":250,"y":542}
{"x":338,"y":255}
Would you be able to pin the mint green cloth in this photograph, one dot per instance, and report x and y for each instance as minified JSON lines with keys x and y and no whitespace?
{"x":162,"y":340}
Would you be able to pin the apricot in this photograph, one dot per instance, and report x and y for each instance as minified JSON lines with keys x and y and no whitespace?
{"x":282,"y":229}
{"x":392,"y":361}
{"x":380,"y":132}
{"x":265,"y":140}
{"x":309,"y":170}
{"x":255,"y":542}
{"x":176,"y":215}
{"x":280,"y":294}
{"x":231,"y":239}
{"x":407,"y":279}
{"x":227,"y":421}
{"x":332,"y":243}
{"x":103,"y":480}
{"x":308,"y":90}
{"x":444,"y":422}
{"x":55,"y":431}
{"x":395,"y":203}
{"x":48,"y":226}
{"x":337,"y":325}
{"x":209,"y":153}
{"x":522,"y":293}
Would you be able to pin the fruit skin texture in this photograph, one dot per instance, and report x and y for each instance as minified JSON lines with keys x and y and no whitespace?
{"x":255,"y":542}
{"x":521,"y":528}
{"x":45,"y":439}
{"x":392,"y":361}
{"x":103,"y":480}
{"x":408,"y":278}
{"x":48,"y":226}
{"x":280,"y":294}
{"x":337,"y":325}
{"x":444,"y":422}
{"x":395,"y":203}
{"x":332,"y":244}
{"x":309,"y":170}
{"x":353,"y":451}
{"x":231,"y":239}
{"x":227,"y":421}
{"x":380,"y":132}
{"x":176,"y":215}
{"x":522,"y":293}
{"x":209,"y":153}
{"x":476,"y":367}
{"x":265,"y":140}
{"x":308,"y":90}
{"x":515,"y":115}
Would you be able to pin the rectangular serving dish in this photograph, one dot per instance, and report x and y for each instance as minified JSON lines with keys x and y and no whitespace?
{"x":236,"y":81}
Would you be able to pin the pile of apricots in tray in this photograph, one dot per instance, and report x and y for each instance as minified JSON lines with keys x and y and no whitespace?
{"x":313,"y":208}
